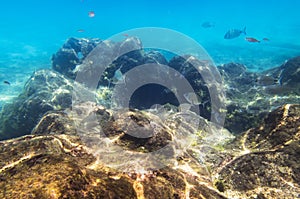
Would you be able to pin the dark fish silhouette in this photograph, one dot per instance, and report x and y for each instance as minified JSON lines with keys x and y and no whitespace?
{"x":267,"y":80}
{"x":251,"y":39}
{"x":208,"y":24}
{"x":6,"y":82}
{"x":233,"y":33}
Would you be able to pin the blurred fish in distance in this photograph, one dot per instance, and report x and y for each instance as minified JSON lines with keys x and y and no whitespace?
{"x":184,"y":107}
{"x":266,"y":39}
{"x":234,"y":33}
{"x":6,"y":82}
{"x":267,"y":80}
{"x":92,"y":14}
{"x":208,"y":24}
{"x":192,"y":98}
{"x":252,"y":39}
{"x":118,"y":77}
{"x":80,"y":30}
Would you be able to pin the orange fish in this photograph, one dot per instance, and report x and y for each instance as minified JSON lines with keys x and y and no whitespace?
{"x":92,"y":14}
{"x":251,"y":39}
{"x":266,"y":39}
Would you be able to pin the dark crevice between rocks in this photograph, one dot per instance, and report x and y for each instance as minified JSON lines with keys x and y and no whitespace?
{"x":151,"y":94}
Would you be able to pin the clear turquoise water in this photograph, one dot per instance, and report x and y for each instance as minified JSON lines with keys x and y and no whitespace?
{"x":32,"y":30}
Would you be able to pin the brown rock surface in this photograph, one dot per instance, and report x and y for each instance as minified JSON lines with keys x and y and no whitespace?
{"x":267,"y":159}
{"x":50,"y":165}
{"x":261,"y":163}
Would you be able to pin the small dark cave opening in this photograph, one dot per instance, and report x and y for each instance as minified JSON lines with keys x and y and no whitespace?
{"x":150,"y":94}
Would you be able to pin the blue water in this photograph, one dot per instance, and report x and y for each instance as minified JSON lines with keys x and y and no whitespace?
{"x":32,"y":30}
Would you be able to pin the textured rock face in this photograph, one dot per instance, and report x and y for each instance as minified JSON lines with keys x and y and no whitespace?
{"x":263,"y":162}
{"x":97,"y":64}
{"x":250,"y":96}
{"x":46,"y":90}
{"x":72,"y":53}
{"x":56,"y":167}
{"x":291,"y":73}
{"x":266,"y":163}
{"x":59,"y":165}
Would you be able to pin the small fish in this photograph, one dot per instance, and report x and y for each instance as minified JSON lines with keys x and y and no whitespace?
{"x":233,"y":33}
{"x":80,"y":30}
{"x":161,"y":111}
{"x":92,"y":14}
{"x":184,"y":107}
{"x":267,"y":80}
{"x":192,"y":98}
{"x":157,"y":108}
{"x":251,"y":39}
{"x":118,"y":77}
{"x":277,"y":89}
{"x":125,"y":35}
{"x":266,"y":39}
{"x":6,"y":82}
{"x":208,"y":24}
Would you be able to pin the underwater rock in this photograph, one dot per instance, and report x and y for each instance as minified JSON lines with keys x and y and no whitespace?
{"x":266,"y":162}
{"x":55,"y":122}
{"x":279,"y":128}
{"x":65,"y":61}
{"x":290,"y":73}
{"x":206,"y":83}
{"x":237,"y":77}
{"x":46,"y":90}
{"x":250,"y":95}
{"x":137,"y":131}
{"x":239,"y":119}
{"x":57,"y":166}
{"x":233,"y":70}
{"x":60,"y":165}
{"x":99,"y":67}
{"x":72,"y":53}
{"x":108,"y":63}
{"x":57,"y":163}
{"x":155,"y":57}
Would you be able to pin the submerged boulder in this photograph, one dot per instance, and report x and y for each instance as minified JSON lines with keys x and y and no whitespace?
{"x":57,"y":163}
{"x":71,"y":54}
{"x":46,"y":90}
{"x":250,"y":95}
{"x":290,"y":73}
{"x":265,"y":160}
{"x":61,"y":159}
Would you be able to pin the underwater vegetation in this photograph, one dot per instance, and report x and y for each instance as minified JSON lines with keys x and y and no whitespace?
{"x":53,"y":147}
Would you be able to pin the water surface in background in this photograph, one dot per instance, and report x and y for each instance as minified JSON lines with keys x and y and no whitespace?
{"x":32,"y":30}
